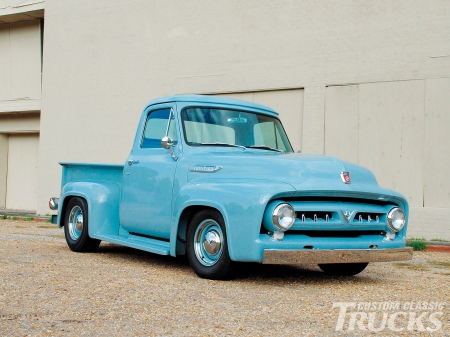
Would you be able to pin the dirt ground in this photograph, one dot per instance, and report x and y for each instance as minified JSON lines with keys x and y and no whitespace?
{"x":47,"y":290}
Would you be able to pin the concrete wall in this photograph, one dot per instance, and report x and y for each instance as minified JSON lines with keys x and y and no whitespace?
{"x":20,"y":67}
{"x":20,"y":101}
{"x":398,"y":130}
{"x":22,"y":170}
{"x":104,"y":60}
{"x":19,"y":123}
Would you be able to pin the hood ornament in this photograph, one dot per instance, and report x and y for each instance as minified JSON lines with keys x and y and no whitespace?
{"x":345,"y":176}
{"x":347,"y":215}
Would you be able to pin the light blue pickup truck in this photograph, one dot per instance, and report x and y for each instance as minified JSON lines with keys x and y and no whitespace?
{"x":217,"y":180}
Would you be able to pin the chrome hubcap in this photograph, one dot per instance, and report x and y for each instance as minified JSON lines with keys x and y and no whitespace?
{"x":212,"y":243}
{"x":208,"y":242}
{"x":75,"y":223}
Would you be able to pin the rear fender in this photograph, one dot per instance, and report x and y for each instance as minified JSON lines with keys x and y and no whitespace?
{"x":103,"y":205}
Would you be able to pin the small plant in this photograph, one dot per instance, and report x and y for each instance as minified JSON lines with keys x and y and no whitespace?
{"x":47,"y":214}
{"x":29,"y":219}
{"x":14,"y":218}
{"x":417,"y":243}
{"x":439,"y":240}
{"x":4,"y":217}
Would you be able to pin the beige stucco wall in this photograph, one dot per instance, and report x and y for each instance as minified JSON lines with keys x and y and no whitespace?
{"x":22,"y":171}
{"x":104,"y":60}
{"x":20,"y":101}
{"x":20,"y":67}
{"x":398,"y":130}
{"x":19,"y":123}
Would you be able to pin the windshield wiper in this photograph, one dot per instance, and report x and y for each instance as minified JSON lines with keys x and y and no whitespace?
{"x":263,"y":147}
{"x":223,"y":144}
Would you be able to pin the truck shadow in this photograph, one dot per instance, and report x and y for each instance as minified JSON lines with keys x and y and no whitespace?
{"x":245,"y":272}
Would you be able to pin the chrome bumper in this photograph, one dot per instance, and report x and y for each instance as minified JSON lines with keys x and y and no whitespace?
{"x":275,"y":256}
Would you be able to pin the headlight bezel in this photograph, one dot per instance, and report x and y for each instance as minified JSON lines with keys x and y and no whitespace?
{"x":392,"y":219}
{"x":277,"y":213}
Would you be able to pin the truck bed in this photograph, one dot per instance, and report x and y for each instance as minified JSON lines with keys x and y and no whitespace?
{"x":83,"y":172}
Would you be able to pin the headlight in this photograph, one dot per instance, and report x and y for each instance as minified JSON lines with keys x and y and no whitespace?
{"x":283,"y":217}
{"x":396,"y":219}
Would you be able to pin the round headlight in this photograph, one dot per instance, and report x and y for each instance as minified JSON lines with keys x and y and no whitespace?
{"x":396,"y":219}
{"x":283,"y":217}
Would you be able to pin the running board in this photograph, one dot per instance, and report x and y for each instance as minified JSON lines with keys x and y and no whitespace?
{"x":138,"y":242}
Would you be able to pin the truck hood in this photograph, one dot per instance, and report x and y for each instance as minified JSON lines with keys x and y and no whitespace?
{"x":304,"y":172}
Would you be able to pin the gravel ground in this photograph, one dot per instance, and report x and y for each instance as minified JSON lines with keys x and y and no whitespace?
{"x":47,"y":290}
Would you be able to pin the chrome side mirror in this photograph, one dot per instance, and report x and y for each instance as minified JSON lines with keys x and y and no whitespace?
{"x":167,"y":143}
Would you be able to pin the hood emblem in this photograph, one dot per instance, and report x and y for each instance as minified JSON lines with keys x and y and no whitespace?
{"x":205,"y":168}
{"x":347,"y":215}
{"x":345,"y":176}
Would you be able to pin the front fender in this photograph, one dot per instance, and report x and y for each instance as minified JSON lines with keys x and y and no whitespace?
{"x":242,"y":204}
{"x":103,"y":199}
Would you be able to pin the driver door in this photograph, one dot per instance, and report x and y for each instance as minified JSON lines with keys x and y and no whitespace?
{"x":146,"y":205}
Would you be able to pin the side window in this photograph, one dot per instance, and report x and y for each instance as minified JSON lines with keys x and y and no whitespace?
{"x":268,"y":134}
{"x":156,"y":127}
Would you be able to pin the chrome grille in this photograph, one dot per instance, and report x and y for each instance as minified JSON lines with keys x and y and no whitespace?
{"x":366,"y":217}
{"x":314,"y":216}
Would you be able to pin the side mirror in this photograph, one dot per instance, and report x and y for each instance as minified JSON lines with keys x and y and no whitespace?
{"x":167,"y":142}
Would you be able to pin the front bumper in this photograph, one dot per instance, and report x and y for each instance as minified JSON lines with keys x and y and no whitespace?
{"x":278,"y":256}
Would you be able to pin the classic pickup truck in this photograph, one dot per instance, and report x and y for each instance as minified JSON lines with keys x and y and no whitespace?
{"x":217,"y":180}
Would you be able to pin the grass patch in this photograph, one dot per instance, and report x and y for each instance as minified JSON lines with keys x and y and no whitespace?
{"x":443,"y":264}
{"x":4,"y":217}
{"x":412,"y":266}
{"x":29,"y":218}
{"x":46,"y":226}
{"x":14,"y":218}
{"x":439,"y":240}
{"x":417,"y":244}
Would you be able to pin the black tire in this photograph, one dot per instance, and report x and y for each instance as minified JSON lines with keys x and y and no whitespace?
{"x":343,"y":269}
{"x":210,"y":261}
{"x":76,"y":224}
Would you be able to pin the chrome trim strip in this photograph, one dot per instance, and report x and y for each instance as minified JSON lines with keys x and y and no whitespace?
{"x":205,"y":168}
{"x":277,"y":256}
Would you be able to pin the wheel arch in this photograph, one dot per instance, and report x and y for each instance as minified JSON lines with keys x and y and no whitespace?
{"x":186,"y":215}
{"x":239,"y":202}
{"x":102,"y":199}
{"x":62,"y":213}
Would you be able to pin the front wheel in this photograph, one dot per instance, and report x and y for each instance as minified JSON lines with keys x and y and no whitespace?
{"x":207,"y":248}
{"x":343,"y":269}
{"x":76,"y":227}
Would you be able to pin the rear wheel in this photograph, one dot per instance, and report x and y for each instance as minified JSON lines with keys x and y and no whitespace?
{"x":207,"y":248}
{"x":76,"y":227}
{"x":343,"y":269}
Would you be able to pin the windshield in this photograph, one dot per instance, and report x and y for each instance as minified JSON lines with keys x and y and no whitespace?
{"x":224,"y":127}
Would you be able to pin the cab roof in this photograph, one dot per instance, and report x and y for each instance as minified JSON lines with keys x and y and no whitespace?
{"x":212,"y":100}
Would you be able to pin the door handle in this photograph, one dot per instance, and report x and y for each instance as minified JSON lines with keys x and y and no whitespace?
{"x":131,"y":162}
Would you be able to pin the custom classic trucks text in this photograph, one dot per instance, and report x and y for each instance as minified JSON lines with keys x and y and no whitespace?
{"x":217,"y":180}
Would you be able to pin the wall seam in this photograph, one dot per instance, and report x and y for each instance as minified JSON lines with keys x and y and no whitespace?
{"x":423,"y":143}
{"x":7,"y":167}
